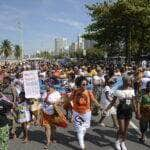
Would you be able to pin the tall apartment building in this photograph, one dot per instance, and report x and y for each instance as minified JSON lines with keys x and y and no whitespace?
{"x":73,"y":47}
{"x":60,"y":45}
{"x":80,"y":42}
{"x":85,"y":44}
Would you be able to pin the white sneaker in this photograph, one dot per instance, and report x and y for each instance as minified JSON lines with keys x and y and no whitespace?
{"x":123,"y":146}
{"x":117,"y":145}
{"x":102,"y":125}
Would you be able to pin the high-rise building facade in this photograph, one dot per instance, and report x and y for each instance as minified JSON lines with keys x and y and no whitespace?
{"x":73,"y":47}
{"x":85,"y":44}
{"x":80,"y":42}
{"x":61,"y":45}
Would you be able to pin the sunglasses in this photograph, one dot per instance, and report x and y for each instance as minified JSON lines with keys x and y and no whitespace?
{"x":84,"y":84}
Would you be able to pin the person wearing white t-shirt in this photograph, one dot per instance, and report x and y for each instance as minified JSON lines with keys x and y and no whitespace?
{"x":106,"y":99}
{"x":144,"y":64}
{"x":50,"y":98}
{"x":145,"y":80}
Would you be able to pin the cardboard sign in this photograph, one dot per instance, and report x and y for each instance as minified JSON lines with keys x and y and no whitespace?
{"x":31,"y":84}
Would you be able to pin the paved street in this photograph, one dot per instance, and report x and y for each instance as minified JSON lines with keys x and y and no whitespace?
{"x":97,"y":138}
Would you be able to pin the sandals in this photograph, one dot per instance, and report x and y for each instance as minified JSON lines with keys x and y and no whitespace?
{"x":142,"y":140}
{"x":54,"y":141}
{"x":25,"y":141}
{"x":14,"y":136}
{"x":46,"y":147}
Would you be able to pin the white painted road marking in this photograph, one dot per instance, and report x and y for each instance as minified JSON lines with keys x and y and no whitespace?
{"x":135,"y":127}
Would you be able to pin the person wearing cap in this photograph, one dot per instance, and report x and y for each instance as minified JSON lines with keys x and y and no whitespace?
{"x":50,"y":98}
{"x":127,"y":101}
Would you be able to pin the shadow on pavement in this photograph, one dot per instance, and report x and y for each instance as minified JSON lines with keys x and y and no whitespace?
{"x":37,"y":136}
{"x":133,"y":136}
{"x":66,"y":139}
{"x":100,"y":141}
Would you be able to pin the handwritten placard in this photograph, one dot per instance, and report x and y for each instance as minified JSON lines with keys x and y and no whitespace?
{"x":31,"y":84}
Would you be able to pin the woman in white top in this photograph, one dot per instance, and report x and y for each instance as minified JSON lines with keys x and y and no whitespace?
{"x":50,"y":98}
{"x":126,"y":97}
{"x":23,"y":114}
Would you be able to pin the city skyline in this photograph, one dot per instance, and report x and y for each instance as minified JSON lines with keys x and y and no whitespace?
{"x":42,"y":21}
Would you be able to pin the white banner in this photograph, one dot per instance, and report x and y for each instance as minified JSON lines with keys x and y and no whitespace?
{"x":31,"y":84}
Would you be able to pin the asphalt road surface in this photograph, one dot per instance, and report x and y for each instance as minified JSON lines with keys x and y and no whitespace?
{"x":97,"y":138}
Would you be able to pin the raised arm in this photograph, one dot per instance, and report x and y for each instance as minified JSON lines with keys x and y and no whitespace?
{"x":111,"y":103}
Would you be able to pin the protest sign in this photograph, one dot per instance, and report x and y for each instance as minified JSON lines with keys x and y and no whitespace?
{"x":31,"y":84}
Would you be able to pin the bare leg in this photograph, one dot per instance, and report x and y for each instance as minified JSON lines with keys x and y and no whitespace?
{"x":48,"y":134}
{"x":143,"y":129}
{"x":53,"y":129}
{"x":102,"y":119}
{"x":13,"y":128}
{"x":121,"y":129}
{"x":119,"y":134}
{"x":127,"y":121}
{"x":114,"y":120}
{"x":25,"y":132}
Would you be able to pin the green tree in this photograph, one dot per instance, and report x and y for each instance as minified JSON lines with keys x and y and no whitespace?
{"x":62,"y":55}
{"x":94,"y":54}
{"x":120,"y":28}
{"x":6,"y":48}
{"x":17,"y":52}
{"x":79,"y":53}
{"x":44,"y":55}
{"x":72,"y":54}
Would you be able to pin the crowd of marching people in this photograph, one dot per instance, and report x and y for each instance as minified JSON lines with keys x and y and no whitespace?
{"x":72,"y":94}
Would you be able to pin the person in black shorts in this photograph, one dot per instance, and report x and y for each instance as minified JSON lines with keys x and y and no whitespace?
{"x":127,"y":101}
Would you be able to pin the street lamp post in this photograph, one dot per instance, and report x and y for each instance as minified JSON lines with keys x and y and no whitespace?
{"x":20,"y":29}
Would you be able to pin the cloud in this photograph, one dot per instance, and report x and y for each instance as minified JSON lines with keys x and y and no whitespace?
{"x":9,"y":16}
{"x":67,"y":21}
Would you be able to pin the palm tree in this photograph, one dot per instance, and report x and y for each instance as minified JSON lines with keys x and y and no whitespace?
{"x":6,"y":49}
{"x":17,"y":52}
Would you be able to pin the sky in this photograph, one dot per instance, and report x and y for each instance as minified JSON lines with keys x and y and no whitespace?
{"x":38,"y":22}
